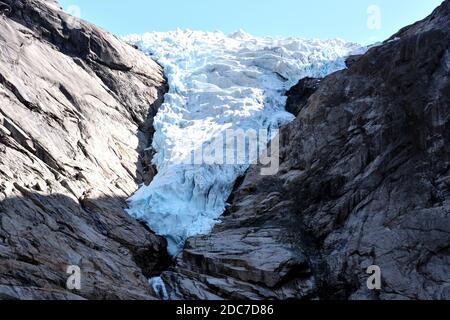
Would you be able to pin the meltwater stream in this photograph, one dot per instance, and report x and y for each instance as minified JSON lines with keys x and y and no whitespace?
{"x":217,"y":83}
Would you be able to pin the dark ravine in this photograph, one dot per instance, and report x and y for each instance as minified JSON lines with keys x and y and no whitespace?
{"x":364,"y":180}
{"x":76,"y":112}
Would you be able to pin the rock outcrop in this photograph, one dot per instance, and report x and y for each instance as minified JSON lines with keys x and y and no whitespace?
{"x":298,"y":95}
{"x":364,"y":180}
{"x":76,"y":110}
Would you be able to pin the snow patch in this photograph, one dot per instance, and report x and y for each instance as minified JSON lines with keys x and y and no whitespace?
{"x":158,"y":287}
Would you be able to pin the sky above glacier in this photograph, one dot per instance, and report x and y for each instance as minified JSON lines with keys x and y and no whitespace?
{"x":363,"y":21}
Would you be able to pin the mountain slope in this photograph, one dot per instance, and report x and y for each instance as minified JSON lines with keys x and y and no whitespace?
{"x":76,"y":112}
{"x":364,"y":180}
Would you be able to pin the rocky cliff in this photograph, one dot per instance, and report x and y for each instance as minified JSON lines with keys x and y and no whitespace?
{"x":76,"y":110}
{"x":364,"y":180}
{"x":364,"y":176}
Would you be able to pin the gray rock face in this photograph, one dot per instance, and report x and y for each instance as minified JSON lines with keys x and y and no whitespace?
{"x":76,"y":110}
{"x":364,"y":180}
{"x":298,"y":95}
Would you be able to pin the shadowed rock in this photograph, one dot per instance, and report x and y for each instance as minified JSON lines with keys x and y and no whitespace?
{"x":76,"y":112}
{"x":298,"y":95}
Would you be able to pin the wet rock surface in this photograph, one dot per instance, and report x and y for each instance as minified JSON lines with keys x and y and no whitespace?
{"x":76,"y":110}
{"x":364,"y":180}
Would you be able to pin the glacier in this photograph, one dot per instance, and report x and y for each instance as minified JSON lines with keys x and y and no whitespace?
{"x":217,"y":82}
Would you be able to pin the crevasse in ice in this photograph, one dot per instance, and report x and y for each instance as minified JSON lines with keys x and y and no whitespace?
{"x":217,"y":82}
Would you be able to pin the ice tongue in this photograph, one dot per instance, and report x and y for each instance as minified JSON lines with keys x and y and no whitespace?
{"x":217,"y":83}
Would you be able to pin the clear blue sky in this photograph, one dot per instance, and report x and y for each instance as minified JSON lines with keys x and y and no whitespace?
{"x":347,"y":19}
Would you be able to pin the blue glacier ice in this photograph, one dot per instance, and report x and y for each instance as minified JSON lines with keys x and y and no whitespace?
{"x":158,"y":287}
{"x":217,"y":82}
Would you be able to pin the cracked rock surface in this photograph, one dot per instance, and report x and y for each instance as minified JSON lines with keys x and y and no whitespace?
{"x":76,"y":110}
{"x":364,"y":180}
